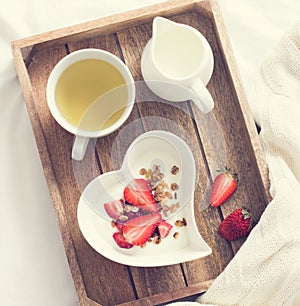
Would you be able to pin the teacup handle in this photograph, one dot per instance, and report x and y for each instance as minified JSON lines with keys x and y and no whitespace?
{"x":202,"y":97}
{"x":79,"y":147}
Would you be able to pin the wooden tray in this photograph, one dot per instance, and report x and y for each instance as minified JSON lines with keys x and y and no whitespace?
{"x":99,"y":281}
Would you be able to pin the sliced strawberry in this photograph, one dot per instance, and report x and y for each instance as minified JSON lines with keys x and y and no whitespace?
{"x":119,"y":225}
{"x":121,"y":242}
{"x":137,"y":231}
{"x":164,"y":228}
{"x":223,"y":187}
{"x":114,"y":209}
{"x":139,"y":193}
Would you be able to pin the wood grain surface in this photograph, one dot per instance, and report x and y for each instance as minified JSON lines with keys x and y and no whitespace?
{"x":225,"y":136}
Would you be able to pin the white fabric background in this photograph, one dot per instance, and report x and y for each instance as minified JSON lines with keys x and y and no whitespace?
{"x":33,"y":267}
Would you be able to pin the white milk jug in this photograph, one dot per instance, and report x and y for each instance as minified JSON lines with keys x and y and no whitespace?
{"x":177,"y":63}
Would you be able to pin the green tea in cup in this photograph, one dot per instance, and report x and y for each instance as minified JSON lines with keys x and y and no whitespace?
{"x":90,"y":93}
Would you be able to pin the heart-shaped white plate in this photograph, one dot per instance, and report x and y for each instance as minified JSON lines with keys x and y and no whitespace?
{"x":155,"y":147}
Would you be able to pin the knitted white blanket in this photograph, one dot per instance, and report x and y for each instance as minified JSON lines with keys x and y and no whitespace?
{"x":266,"y":270}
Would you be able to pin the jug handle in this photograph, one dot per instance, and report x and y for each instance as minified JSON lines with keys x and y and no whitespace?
{"x":202,"y":97}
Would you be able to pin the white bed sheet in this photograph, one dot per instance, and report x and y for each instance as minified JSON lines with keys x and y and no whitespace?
{"x":33,"y":265}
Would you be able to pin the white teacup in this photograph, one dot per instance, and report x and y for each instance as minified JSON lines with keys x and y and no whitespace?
{"x":177,"y":63}
{"x":90,"y":93}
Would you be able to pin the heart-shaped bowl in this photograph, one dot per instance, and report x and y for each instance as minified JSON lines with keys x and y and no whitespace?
{"x":184,"y":242}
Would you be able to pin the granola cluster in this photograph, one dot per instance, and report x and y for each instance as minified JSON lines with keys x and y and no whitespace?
{"x":162,"y":191}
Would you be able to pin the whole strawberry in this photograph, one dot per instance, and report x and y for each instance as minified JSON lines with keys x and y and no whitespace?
{"x":237,"y":224}
{"x":223,"y":187}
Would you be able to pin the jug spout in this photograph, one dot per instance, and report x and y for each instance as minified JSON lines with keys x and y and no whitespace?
{"x":162,"y":25}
